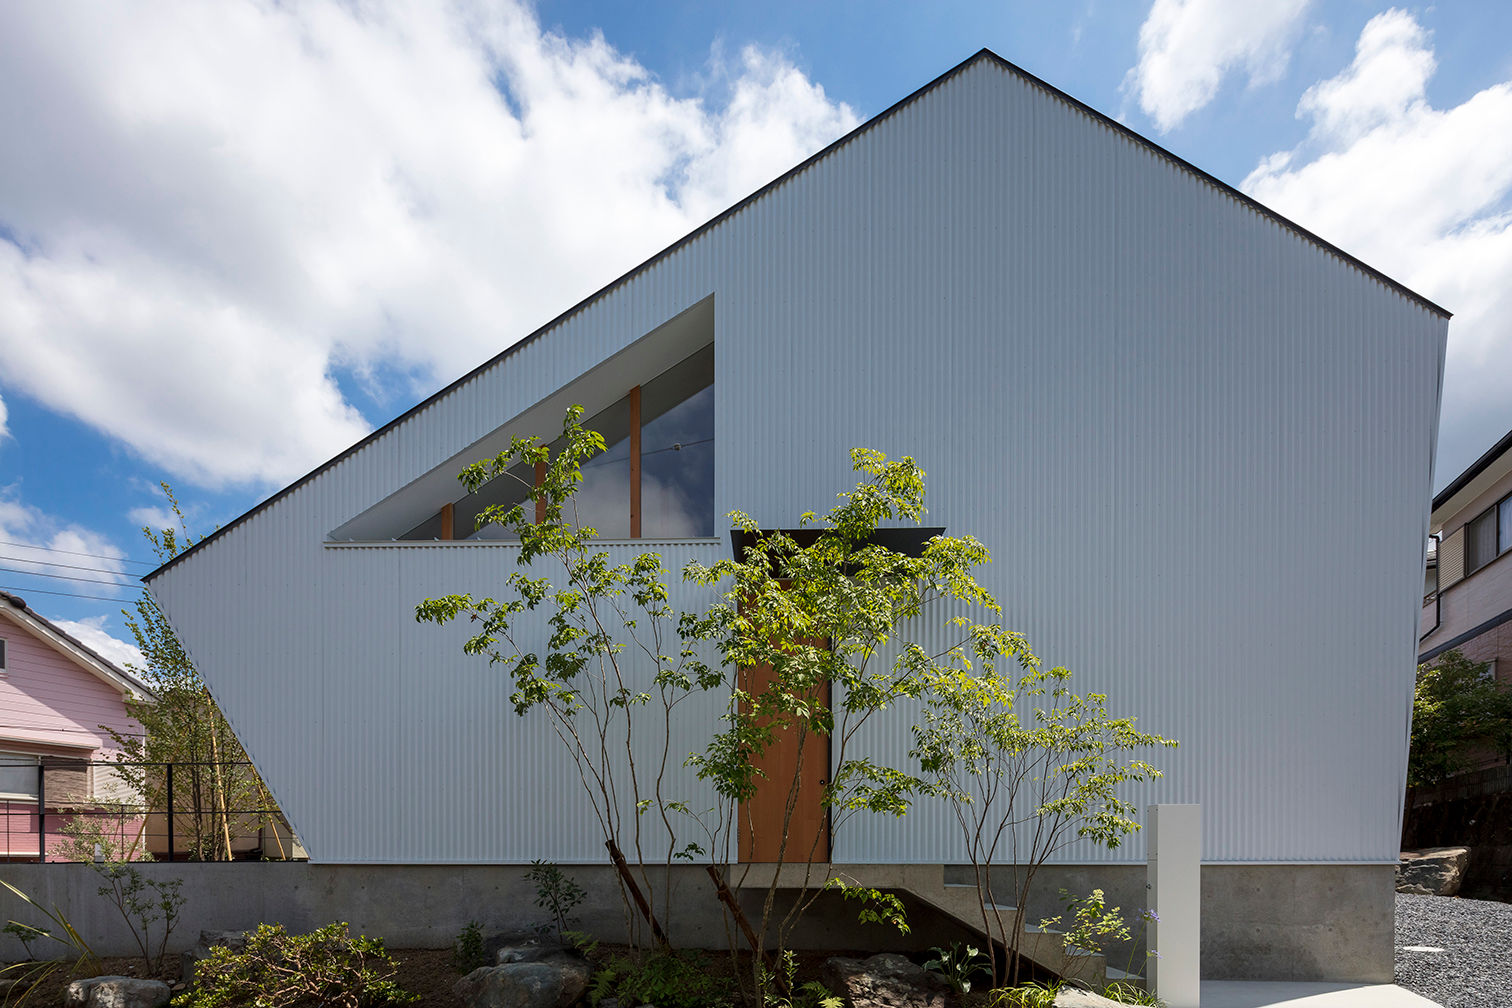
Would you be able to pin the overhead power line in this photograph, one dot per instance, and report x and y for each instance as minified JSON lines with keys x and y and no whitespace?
{"x":64,"y":566}
{"x":66,"y":577}
{"x":43,"y":591}
{"x":92,"y":556}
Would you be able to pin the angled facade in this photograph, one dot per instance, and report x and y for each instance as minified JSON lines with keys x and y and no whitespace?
{"x":1142,"y":390}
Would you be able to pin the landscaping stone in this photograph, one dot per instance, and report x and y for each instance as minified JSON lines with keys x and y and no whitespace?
{"x":116,"y":992}
{"x":535,"y":952}
{"x":1436,"y":871}
{"x":888,"y":980}
{"x":236,"y":941}
{"x":1075,"y":997}
{"x":554,"y":984}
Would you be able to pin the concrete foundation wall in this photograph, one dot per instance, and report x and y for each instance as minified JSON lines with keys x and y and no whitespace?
{"x":1260,"y":922}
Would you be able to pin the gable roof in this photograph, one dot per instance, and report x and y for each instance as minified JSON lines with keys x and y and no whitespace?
{"x":981,"y":56}
{"x":15,"y":607}
{"x":1464,"y":479}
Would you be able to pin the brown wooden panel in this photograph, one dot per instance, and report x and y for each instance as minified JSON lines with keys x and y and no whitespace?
{"x":761,"y":818}
{"x":635,"y":462}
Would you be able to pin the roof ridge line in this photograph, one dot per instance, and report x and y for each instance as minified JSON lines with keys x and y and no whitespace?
{"x":984,"y":54}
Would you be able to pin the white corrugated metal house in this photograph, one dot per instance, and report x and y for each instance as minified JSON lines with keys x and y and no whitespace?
{"x":1197,"y":438}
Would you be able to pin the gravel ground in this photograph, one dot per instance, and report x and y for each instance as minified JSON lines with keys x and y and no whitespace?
{"x":1473,"y":967}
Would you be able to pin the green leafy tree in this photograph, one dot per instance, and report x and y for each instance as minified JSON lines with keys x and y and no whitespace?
{"x":1459,"y":713}
{"x":1028,"y":767}
{"x":841,"y":616}
{"x":216,"y":793}
{"x":613,"y":670}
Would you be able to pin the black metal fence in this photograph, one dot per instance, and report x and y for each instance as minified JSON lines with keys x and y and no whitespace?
{"x":63,"y":809}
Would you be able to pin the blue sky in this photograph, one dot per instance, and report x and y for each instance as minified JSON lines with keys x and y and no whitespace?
{"x":236,"y":237}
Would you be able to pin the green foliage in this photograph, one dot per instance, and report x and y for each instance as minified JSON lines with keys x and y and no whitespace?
{"x":600,"y":706}
{"x":1092,"y":926}
{"x":85,"y":832}
{"x":1028,"y":995}
{"x":326,"y":967}
{"x":1092,"y":923}
{"x":23,"y":978}
{"x":1457,"y":708}
{"x":784,"y":991}
{"x":145,"y":904}
{"x":877,"y":907}
{"x":1028,"y":766}
{"x":666,"y":978}
{"x":467,"y":952}
{"x":214,"y":785}
{"x":1127,"y":993}
{"x":958,"y":964}
{"x":838,"y":624}
{"x":556,"y":892}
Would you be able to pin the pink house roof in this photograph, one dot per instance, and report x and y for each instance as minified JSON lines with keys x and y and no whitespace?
{"x":15,"y":609}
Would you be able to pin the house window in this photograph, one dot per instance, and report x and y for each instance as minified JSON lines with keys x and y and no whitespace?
{"x":655,"y":478}
{"x":2,"y":656}
{"x":1488,"y":535}
{"x":18,"y":777}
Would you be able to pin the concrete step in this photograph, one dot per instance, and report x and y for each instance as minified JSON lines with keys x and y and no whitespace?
{"x":1116,"y":975}
{"x":1039,"y":945}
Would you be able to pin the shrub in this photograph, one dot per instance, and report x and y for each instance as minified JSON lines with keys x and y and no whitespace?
{"x":468,"y":954}
{"x":325,"y":967}
{"x":667,"y":979}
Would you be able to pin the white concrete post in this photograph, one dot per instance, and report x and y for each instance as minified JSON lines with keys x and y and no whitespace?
{"x":1175,"y":895}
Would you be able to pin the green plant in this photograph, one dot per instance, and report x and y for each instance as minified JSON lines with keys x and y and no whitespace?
{"x":1127,"y":993}
{"x":1026,"y":995}
{"x":958,"y":964}
{"x":666,"y":978}
{"x":1028,"y":767}
{"x":213,"y":782}
{"x":468,"y":954}
{"x":783,"y":990}
{"x":326,"y":967}
{"x":86,"y":837}
{"x":25,"y":977}
{"x":556,"y":892}
{"x":841,"y":627}
{"x":1092,"y":924}
{"x":877,"y":907}
{"x":612,"y":672}
{"x":144,"y":904}
{"x":1458,"y":707}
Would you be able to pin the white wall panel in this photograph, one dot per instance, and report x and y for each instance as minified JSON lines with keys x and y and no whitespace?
{"x":1198,"y":443}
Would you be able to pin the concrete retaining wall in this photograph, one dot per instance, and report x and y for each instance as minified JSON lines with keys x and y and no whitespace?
{"x":1272,"y":922}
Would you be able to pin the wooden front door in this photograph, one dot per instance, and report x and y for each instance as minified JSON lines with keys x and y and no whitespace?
{"x":806,"y":757}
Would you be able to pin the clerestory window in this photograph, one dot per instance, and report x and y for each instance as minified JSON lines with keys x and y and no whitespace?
{"x":654,"y":480}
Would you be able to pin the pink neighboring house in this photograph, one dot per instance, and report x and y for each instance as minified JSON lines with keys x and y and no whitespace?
{"x":55,"y":694}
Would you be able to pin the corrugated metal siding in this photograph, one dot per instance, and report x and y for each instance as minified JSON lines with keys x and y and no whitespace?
{"x":1197,"y":443}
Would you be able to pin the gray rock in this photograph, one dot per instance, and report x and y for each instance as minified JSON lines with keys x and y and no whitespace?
{"x":885,"y":981}
{"x":1436,"y":871}
{"x":554,"y":984}
{"x":189,"y":959}
{"x":116,"y":992}
{"x":534,"y":952}
{"x":1075,"y":997}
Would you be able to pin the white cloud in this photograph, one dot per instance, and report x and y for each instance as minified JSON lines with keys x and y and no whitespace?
{"x":92,"y":634}
{"x":4,"y":431}
{"x":1187,"y":47}
{"x":219,"y":208}
{"x":1423,"y":194}
{"x":155,"y":518}
{"x":41,"y":553}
